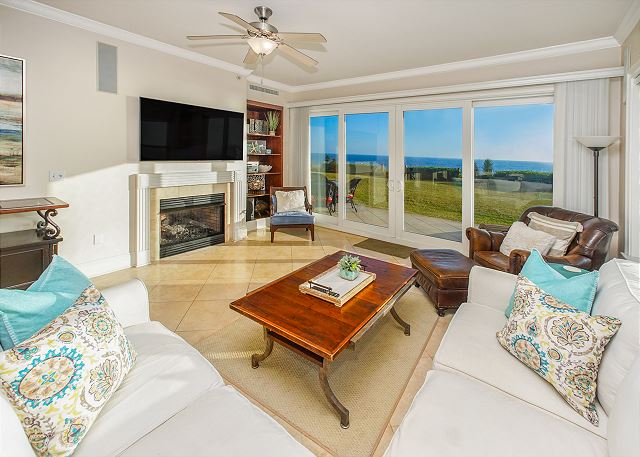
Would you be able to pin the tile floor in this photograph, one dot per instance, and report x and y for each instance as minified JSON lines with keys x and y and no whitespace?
{"x":186,"y":296}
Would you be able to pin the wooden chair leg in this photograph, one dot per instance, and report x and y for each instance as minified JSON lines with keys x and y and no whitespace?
{"x":313,"y":237}
{"x":273,"y":232}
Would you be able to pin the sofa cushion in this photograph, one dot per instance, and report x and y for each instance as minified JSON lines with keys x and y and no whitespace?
{"x":292,"y":200}
{"x":564,"y":231}
{"x":292,"y":217}
{"x":453,"y":415}
{"x":10,"y":426}
{"x":624,"y":421}
{"x":470,"y":347}
{"x":220,"y":423}
{"x":168,"y":376}
{"x":60,"y":379}
{"x":618,"y":295}
{"x":561,"y":344}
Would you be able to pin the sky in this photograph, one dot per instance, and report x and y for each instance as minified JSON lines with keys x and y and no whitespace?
{"x":517,"y":132}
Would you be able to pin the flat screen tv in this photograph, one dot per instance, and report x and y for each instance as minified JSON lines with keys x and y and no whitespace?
{"x":173,"y":131}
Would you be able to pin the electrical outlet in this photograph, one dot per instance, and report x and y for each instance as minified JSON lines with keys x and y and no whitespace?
{"x":56,"y":175}
{"x":98,"y":239}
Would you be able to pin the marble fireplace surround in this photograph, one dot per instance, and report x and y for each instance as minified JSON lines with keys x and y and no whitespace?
{"x":148,"y":188}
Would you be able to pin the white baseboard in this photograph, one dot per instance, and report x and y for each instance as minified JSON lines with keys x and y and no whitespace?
{"x":104,"y":266}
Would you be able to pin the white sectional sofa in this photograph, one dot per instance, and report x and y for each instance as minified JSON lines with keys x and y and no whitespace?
{"x":172,"y":403}
{"x":481,"y":401}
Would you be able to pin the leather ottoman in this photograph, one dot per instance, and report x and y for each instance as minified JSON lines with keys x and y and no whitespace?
{"x":444,"y":275}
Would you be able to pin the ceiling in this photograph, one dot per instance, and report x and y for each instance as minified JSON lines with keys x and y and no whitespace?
{"x":364,"y":39}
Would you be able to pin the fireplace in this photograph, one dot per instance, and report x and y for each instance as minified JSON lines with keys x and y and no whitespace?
{"x":188,"y":223}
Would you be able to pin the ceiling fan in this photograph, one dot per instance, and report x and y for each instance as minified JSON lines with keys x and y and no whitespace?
{"x":263,"y":38}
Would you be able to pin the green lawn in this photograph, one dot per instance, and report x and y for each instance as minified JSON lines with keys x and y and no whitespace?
{"x":444,"y":199}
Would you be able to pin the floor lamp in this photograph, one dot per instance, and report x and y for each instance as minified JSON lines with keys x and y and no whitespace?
{"x":596,"y":144}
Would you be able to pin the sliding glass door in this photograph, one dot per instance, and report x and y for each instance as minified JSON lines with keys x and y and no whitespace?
{"x":421,"y":173}
{"x":366,"y":184}
{"x":323,"y":140}
{"x":513,"y":160}
{"x":431,"y":169}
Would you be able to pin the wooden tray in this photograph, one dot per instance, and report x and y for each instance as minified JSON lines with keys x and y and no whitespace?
{"x":345,"y":288}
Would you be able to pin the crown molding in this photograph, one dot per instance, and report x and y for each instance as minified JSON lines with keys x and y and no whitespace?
{"x":614,"y":72}
{"x":81,"y":22}
{"x":629,"y":21}
{"x":501,"y":59}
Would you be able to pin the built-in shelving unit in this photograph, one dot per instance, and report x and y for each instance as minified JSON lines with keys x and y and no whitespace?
{"x":257,"y":199}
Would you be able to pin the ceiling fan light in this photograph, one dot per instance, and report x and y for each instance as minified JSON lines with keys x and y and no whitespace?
{"x":262,"y":46}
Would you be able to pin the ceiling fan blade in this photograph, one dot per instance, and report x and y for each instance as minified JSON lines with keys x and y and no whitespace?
{"x":299,"y":56}
{"x":309,"y":37}
{"x":214,"y":37}
{"x":251,"y":57}
{"x":238,"y":20}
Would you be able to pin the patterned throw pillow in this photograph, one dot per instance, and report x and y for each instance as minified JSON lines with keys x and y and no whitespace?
{"x":563,"y":345}
{"x":59,"y":379}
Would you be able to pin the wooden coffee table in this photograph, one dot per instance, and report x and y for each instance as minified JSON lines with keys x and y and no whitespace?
{"x":317,"y":330}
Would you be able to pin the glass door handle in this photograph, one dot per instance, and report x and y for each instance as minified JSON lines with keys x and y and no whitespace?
{"x":400,"y":186}
{"x":390,"y":185}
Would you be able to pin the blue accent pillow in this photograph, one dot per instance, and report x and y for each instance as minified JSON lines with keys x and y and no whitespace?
{"x":24,"y":312}
{"x":576,"y":288}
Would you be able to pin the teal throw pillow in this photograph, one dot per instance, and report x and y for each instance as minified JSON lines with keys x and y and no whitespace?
{"x":571,"y":285}
{"x":24,"y":312}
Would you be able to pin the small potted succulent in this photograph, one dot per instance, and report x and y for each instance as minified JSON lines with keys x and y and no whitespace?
{"x":273,"y":120}
{"x":349,"y":267}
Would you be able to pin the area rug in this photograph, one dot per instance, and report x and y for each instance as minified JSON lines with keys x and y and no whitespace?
{"x":396,"y":250}
{"x":369,"y":379}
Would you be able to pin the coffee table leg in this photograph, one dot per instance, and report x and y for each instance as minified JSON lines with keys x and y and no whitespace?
{"x":257,"y":358}
{"x":333,"y":400}
{"x":407,"y":327}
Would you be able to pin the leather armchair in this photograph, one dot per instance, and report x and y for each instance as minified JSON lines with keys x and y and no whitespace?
{"x":588,"y":250}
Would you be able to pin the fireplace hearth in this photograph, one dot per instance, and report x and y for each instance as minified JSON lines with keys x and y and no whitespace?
{"x":188,"y":223}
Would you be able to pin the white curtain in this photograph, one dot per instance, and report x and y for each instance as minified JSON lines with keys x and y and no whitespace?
{"x":582,"y":108}
{"x":297,"y":171}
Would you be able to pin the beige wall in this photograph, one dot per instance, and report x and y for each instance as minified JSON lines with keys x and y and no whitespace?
{"x":586,"y":61}
{"x":93,"y":136}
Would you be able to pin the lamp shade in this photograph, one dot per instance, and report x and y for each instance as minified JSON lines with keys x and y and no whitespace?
{"x":599,"y":142}
{"x":262,"y":46}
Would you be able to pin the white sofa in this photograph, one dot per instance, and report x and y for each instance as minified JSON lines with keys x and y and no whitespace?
{"x":172,"y":403}
{"x":481,"y":401}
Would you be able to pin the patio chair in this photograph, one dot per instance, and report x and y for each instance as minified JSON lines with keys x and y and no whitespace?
{"x":331,"y":190}
{"x":291,"y":218}
{"x":353,"y":185}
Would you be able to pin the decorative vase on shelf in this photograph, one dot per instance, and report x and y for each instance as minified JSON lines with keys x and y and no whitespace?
{"x":349,"y":267}
{"x":272,"y":132}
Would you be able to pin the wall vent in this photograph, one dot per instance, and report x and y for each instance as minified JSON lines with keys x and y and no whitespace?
{"x":266,"y":90}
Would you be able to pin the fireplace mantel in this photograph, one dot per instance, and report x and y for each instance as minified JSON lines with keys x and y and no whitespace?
{"x":140,"y":189}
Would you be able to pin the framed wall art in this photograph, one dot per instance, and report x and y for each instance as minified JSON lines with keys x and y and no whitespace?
{"x":11,"y":121}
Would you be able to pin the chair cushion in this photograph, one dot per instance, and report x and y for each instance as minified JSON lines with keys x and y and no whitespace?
{"x":564,"y":231}
{"x":470,"y":347}
{"x":292,"y":217}
{"x":453,"y":415}
{"x":220,"y":423}
{"x":520,"y":236}
{"x":445,"y":268}
{"x":168,"y":376}
{"x":618,"y":295}
{"x":492,"y":259}
{"x":292,"y":200}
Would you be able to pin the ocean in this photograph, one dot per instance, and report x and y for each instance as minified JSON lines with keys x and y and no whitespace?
{"x":498,"y":165}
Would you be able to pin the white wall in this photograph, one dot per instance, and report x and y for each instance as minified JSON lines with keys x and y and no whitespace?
{"x":90,"y":135}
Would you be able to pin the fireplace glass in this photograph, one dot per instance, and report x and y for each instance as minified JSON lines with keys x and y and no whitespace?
{"x":188,"y":223}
